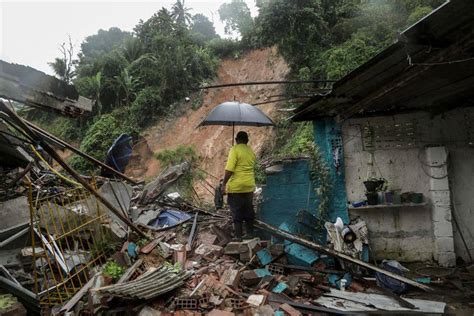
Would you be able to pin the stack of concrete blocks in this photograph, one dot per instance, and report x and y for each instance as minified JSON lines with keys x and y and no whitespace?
{"x":437,"y":167}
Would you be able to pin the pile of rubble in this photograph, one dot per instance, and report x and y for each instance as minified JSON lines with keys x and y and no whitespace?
{"x":76,"y":245}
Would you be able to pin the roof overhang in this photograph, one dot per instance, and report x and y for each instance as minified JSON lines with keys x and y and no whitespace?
{"x":429,"y":68}
{"x":34,"y":88}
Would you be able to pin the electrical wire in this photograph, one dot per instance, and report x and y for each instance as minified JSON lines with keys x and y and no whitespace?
{"x":52,"y":169}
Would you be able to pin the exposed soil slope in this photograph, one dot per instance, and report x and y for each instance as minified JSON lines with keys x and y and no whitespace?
{"x":213,"y":143}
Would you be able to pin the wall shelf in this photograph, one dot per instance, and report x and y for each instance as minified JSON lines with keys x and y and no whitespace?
{"x":388,"y":206}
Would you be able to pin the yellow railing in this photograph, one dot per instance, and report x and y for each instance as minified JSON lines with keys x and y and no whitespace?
{"x":71,"y":228}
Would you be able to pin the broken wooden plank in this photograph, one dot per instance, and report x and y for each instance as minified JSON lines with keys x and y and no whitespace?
{"x":130,"y":271}
{"x":339,"y":255}
{"x":73,"y":300}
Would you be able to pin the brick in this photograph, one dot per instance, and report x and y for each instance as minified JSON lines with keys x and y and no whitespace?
{"x":290,"y":310}
{"x":447,"y":259}
{"x":186,"y":303}
{"x":440,"y":198}
{"x":250,"y":278}
{"x":231,"y":278}
{"x":444,"y":244}
{"x":436,"y":156}
{"x":439,"y":184}
{"x":443,"y":229}
{"x":217,"y":312}
{"x":232,"y":248}
{"x":439,"y":173}
{"x":235,"y":303}
{"x":441,"y":213}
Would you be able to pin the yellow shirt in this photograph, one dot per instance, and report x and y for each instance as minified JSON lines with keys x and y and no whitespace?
{"x":241,"y":162}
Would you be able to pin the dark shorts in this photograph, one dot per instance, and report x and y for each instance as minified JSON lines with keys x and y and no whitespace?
{"x":241,"y":206}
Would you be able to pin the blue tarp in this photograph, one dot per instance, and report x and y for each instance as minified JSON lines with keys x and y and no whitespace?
{"x":168,"y":218}
{"x":119,"y":154}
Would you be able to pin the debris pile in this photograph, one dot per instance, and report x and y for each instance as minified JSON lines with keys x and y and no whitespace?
{"x":78,"y":245}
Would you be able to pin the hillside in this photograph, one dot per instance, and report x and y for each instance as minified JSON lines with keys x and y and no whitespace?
{"x":212,"y":143}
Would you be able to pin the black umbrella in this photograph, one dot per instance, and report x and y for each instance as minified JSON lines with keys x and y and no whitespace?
{"x":235,"y":113}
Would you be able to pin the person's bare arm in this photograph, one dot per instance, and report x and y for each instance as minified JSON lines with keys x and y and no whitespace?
{"x":227,"y":176}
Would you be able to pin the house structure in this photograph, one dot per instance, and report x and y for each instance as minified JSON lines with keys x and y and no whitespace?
{"x":37,"y":89}
{"x":407,"y":115}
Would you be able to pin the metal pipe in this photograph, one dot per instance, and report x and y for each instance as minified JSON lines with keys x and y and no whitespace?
{"x":339,"y":255}
{"x":36,"y":136}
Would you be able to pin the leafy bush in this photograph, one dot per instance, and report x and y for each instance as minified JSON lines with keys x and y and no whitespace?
{"x":225,"y":47}
{"x":147,"y":107}
{"x":170,"y":157}
{"x":301,"y":141}
{"x":113,"y":270}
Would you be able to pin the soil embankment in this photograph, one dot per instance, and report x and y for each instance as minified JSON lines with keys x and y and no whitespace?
{"x":212,"y":143}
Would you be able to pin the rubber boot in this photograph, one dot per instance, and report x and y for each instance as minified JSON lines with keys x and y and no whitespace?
{"x":237,"y":231}
{"x":249,"y":230}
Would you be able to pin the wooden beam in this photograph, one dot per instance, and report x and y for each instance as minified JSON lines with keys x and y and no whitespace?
{"x":333,"y":253}
{"x":38,"y":138}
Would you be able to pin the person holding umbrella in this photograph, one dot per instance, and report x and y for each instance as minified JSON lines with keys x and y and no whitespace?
{"x":239,"y":184}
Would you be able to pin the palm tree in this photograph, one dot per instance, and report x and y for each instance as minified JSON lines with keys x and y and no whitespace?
{"x":127,"y":85}
{"x":95,"y":84}
{"x":180,"y":13}
{"x":132,"y":49}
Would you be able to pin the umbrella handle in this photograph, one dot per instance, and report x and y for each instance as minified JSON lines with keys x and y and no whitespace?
{"x":233,"y":131}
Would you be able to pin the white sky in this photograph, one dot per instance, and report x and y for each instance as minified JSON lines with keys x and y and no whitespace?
{"x":31,"y":31}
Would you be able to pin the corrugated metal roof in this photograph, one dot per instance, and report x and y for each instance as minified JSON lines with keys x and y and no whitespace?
{"x":400,"y":77}
{"x":150,"y":284}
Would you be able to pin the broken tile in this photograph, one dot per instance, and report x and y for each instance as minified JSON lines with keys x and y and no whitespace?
{"x":264,"y":256}
{"x":256,"y":300}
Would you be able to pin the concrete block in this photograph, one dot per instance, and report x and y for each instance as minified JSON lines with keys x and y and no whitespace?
{"x":447,"y":259}
{"x":443,"y":229}
{"x":441,"y":213}
{"x":439,"y":173}
{"x":444,"y":244}
{"x":250,"y":278}
{"x":439,"y":184}
{"x":232,"y":248}
{"x":436,"y":156}
{"x":15,"y":212}
{"x":440,"y":198}
{"x":230,"y":277}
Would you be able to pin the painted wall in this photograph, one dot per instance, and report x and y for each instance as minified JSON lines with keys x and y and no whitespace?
{"x":287,"y":192}
{"x":291,"y":190}
{"x":409,"y":232}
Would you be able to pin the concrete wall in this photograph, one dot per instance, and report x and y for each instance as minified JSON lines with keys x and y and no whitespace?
{"x":411,"y":168}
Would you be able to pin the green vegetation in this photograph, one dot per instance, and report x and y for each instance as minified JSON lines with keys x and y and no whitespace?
{"x":113,"y":270}
{"x":136,"y":79}
{"x":182,"y":153}
{"x":176,"y":267}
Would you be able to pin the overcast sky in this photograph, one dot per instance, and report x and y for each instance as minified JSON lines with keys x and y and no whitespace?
{"x":31,"y":31}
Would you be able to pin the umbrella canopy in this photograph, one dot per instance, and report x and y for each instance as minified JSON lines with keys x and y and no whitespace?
{"x":236,"y":113}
